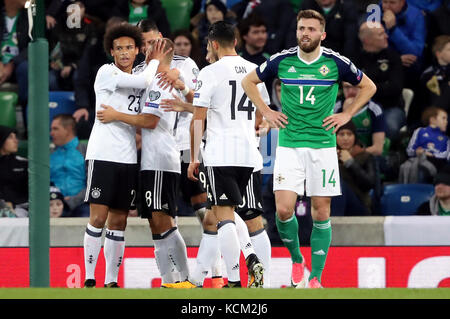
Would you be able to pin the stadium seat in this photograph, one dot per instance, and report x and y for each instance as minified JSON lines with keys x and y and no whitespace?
{"x":178,"y":13}
{"x":61,"y":102}
{"x":8,"y":103}
{"x":404,"y":199}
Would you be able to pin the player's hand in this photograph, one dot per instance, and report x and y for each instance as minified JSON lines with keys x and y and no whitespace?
{"x":107,"y":115}
{"x":275,"y":119}
{"x":170,"y":78}
{"x":172,"y":105}
{"x":156,"y":51}
{"x":193,"y":171}
{"x":336,"y":121}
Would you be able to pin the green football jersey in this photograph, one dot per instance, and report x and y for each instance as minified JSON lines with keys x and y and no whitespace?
{"x":308,"y":93}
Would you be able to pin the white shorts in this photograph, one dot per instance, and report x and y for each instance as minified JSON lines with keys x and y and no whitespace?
{"x":318,"y":167}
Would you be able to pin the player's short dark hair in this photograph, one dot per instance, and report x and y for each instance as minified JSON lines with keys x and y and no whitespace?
{"x":147,"y":25}
{"x":223,"y":32}
{"x":429,"y":112}
{"x":253,"y":20}
{"x":122,"y":30}
{"x":67,"y":121}
{"x":311,"y":14}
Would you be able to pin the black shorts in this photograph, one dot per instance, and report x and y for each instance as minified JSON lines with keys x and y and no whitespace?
{"x":111,"y":184}
{"x":252,"y":200}
{"x":188,"y":187}
{"x":226,"y":184}
{"x":159,"y":192}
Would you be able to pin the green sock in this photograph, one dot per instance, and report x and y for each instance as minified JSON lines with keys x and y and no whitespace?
{"x":320,"y":243}
{"x":288,"y":230}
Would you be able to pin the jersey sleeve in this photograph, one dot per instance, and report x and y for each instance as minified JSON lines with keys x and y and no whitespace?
{"x":190,"y":73}
{"x":107,"y":78}
{"x":152,"y":103}
{"x":204,"y":88}
{"x":348,"y":72}
{"x":268,"y":69}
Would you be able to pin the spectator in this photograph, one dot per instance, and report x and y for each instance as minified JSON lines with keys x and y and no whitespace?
{"x":136,"y":10}
{"x":58,"y":207}
{"x":426,"y":6}
{"x":369,"y":121}
{"x":383,"y":65}
{"x":405,"y":25}
{"x":14,"y":48}
{"x":69,"y":43}
{"x":278,"y":15}
{"x":67,"y":164}
{"x":357,"y":172}
{"x":340,"y":25}
{"x":13,"y":174}
{"x":253,"y":33}
{"x":428,"y":148}
{"x":215,"y":10}
{"x":439,"y":203}
{"x":91,"y":60}
{"x":435,"y":80}
{"x":186,"y":45}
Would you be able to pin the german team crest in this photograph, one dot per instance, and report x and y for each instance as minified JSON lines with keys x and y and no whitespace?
{"x":324,"y":70}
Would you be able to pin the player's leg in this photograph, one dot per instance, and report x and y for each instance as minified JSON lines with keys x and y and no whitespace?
{"x":320,"y":238}
{"x":98,"y":195}
{"x":228,"y":242}
{"x":163,"y":218}
{"x":288,"y":181}
{"x":261,"y":245}
{"x":124,"y":198}
{"x":322,"y":182}
{"x":250,"y":211}
{"x":114,"y":247}
{"x":92,"y":242}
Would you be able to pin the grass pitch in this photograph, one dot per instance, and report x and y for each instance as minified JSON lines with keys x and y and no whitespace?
{"x":242,"y":293}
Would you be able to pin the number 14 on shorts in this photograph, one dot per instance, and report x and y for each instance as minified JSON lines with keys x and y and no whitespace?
{"x":328,"y":175}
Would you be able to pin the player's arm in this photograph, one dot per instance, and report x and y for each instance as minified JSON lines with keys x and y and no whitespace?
{"x":109,"y":114}
{"x":197,"y":130}
{"x":367,"y":90}
{"x":249,"y":84}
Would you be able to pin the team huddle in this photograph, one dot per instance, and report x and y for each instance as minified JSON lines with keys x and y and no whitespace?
{"x":200,"y":135}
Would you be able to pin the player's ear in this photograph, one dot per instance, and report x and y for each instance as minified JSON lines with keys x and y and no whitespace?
{"x":323,"y":36}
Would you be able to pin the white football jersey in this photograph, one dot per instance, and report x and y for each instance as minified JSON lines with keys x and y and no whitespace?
{"x":115,"y":141}
{"x":230,"y":125}
{"x":159,"y":147}
{"x":189,"y":70}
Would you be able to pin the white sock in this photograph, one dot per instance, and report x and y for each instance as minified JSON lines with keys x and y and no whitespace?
{"x":216,"y":268}
{"x":165,"y":265}
{"x":263,"y":249}
{"x":113,"y":250}
{"x":209,"y":246}
{"x":229,"y":247}
{"x":244,"y":238}
{"x":176,"y":249}
{"x":92,"y":244}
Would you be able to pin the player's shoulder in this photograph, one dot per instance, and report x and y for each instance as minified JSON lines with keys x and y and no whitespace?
{"x":375,"y":108}
{"x":139,"y":68}
{"x":329,"y":53}
{"x":284,"y":54}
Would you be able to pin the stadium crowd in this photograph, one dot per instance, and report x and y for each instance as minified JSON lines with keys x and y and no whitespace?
{"x":400,"y":136}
